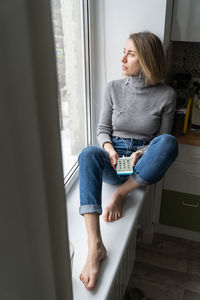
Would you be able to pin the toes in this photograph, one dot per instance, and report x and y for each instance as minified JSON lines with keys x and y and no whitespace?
{"x":110,"y":217}
{"x":114,"y":216}
{"x":92,"y":282}
{"x":105,"y":218}
{"x":85,"y":280}
{"x":106,"y":215}
{"x":89,"y":282}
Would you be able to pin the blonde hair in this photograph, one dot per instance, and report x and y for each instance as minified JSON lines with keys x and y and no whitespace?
{"x":151,"y":56}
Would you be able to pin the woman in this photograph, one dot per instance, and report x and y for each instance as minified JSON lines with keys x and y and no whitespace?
{"x":135,"y":121}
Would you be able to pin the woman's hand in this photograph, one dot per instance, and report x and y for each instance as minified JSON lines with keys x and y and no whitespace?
{"x":112,"y":154}
{"x":113,"y":158}
{"x":136,"y":156}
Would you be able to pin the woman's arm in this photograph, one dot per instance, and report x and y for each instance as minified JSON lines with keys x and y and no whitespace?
{"x":136,"y":156}
{"x":112,"y":154}
{"x":104,"y":128}
{"x":168,"y":115}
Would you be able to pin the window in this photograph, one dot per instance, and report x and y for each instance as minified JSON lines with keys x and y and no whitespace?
{"x":70,"y":42}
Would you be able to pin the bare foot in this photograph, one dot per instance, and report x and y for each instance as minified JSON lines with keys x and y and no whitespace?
{"x":89,"y":274}
{"x":114,"y":209}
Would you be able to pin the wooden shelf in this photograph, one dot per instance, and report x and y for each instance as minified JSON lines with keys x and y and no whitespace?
{"x":189,"y":138}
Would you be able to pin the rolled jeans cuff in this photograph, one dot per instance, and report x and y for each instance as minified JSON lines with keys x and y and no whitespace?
{"x":90,"y":209}
{"x":140,"y":180}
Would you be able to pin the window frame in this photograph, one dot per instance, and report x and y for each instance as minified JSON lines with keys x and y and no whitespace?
{"x":86,"y":13}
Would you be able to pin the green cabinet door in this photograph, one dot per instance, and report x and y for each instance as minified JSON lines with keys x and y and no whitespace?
{"x":180,"y":210}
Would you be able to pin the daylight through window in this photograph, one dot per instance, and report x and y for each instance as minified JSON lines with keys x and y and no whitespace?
{"x":68,"y":34}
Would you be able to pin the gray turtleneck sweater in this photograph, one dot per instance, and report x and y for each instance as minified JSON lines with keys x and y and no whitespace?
{"x":133,"y":109}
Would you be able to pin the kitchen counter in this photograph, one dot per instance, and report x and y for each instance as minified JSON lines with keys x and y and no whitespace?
{"x":189,"y":138}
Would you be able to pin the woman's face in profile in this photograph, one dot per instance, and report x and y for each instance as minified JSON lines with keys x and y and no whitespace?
{"x":130,"y":63}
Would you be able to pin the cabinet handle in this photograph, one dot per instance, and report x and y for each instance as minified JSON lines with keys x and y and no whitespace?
{"x":190,"y":205}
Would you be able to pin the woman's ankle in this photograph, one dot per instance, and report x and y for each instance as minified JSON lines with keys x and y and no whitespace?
{"x":127,"y":187}
{"x":95,"y":242}
{"x":121,"y":192}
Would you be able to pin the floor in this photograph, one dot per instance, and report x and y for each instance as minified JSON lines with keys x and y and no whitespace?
{"x":168,"y":269}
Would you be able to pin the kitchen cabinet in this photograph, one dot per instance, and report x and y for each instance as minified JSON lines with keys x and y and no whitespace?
{"x":186,"y":21}
{"x":180,"y":199}
{"x":180,"y":210}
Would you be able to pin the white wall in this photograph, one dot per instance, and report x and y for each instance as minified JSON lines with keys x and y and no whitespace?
{"x":114,"y":21}
{"x":123,"y":17}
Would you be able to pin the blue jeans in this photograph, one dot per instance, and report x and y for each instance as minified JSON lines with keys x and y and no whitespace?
{"x":95,"y":167}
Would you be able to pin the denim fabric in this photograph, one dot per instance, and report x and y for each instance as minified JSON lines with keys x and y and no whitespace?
{"x":94,"y":167}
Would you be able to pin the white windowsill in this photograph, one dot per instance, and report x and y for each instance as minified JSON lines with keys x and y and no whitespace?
{"x":115,"y":236}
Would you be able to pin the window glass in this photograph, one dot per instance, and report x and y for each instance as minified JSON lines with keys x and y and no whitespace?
{"x":68,"y":34}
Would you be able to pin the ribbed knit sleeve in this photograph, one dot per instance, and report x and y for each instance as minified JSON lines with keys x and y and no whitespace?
{"x":168,"y":114}
{"x":104,"y":128}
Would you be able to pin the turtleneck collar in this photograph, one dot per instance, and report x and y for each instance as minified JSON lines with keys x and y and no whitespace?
{"x":136,"y":82}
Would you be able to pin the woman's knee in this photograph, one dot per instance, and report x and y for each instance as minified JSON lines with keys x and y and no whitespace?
{"x":158,"y":158}
{"x":167,"y":141}
{"x":164,"y":138}
{"x":89,"y":153}
{"x":171,"y":143}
